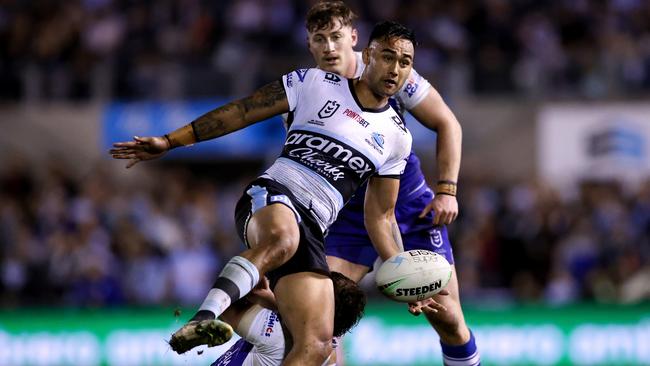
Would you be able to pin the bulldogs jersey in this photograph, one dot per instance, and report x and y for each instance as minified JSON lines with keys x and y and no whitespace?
{"x":262,"y":340}
{"x":334,"y":144}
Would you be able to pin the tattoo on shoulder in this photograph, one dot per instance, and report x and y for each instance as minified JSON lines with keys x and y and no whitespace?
{"x":212,"y":124}
{"x":265,"y":97}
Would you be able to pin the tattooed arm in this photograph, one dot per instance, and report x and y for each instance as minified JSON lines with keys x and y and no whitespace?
{"x":268,"y":101}
{"x":379,"y":216}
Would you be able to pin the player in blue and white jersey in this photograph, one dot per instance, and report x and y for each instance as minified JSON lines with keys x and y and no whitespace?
{"x":343,"y":134}
{"x":421,"y":215}
{"x":262,"y":340}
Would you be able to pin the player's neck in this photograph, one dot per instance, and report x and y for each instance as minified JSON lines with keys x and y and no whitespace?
{"x":351,"y":68}
{"x":367,"y":97}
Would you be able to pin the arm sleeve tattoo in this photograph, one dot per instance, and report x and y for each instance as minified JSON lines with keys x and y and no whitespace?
{"x":238,"y":114}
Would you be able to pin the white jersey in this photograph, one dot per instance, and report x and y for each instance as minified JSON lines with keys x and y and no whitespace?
{"x":413,"y":91}
{"x":334,"y":144}
{"x":262,"y":342}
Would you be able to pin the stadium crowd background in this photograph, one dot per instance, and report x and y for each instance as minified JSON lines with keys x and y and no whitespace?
{"x":91,"y":241}
{"x":87,"y":49}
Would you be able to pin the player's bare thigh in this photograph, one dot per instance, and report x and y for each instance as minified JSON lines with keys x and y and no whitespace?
{"x":353,"y":271}
{"x":306,"y":305}
{"x":273,"y":235}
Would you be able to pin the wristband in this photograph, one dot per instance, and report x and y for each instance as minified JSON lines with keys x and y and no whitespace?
{"x":169,"y":142}
{"x":446,"y":187}
{"x":183,"y":136}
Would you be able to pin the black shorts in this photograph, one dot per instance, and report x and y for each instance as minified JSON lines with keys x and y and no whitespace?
{"x":310,"y":256}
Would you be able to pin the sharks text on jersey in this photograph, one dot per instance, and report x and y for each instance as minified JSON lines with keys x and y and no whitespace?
{"x":327,"y":156}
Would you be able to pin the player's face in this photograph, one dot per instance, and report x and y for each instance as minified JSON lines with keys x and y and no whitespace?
{"x":333,"y":48}
{"x":389,"y":63}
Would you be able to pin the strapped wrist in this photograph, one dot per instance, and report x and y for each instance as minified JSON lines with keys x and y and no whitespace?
{"x":446,"y":187}
{"x":169,"y":141}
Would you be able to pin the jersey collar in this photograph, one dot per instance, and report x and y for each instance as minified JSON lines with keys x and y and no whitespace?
{"x":354,"y":95}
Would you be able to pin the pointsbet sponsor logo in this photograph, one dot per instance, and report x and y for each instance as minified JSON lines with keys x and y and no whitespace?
{"x":356,"y":117}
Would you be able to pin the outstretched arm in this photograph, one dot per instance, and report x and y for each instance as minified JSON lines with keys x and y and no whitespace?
{"x":379,"y":216}
{"x":384,"y":232}
{"x":268,"y":101}
{"x":434,"y":113}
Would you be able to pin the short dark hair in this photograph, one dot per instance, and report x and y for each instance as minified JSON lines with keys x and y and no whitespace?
{"x":323,"y":14}
{"x":349,"y":303}
{"x":391,"y":29}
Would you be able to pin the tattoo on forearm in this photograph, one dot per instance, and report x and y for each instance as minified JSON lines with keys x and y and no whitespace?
{"x":213,"y":124}
{"x":397,"y":236}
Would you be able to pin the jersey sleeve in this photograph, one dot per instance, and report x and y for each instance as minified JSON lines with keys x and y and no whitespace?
{"x":295,"y":84}
{"x":261,"y":327}
{"x":414,"y":90}
{"x":396,"y":163}
{"x":394,"y":167}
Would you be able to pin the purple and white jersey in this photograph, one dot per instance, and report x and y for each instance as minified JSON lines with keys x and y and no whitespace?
{"x":262,"y":341}
{"x":334,"y":144}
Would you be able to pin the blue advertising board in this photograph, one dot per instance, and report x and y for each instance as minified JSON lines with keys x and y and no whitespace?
{"x":122,"y":121}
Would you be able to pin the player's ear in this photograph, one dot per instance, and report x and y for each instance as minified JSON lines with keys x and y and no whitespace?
{"x":355,"y":37}
{"x":365,"y":55}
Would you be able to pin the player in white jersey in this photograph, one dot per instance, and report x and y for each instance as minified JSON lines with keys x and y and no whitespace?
{"x":331,"y":38}
{"x":262,"y":340}
{"x":282,"y":215}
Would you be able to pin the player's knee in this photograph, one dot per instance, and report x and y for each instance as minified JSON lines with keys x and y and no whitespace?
{"x":281,"y":242}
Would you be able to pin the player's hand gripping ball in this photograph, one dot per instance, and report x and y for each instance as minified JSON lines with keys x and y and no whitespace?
{"x":413,"y":275}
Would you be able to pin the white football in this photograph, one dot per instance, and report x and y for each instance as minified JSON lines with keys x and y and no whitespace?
{"x":413,"y":275}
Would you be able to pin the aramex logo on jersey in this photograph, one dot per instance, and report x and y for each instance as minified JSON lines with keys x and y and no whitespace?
{"x":327,"y":156}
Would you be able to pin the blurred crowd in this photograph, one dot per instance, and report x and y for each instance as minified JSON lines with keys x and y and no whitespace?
{"x":528,"y":242}
{"x":103,"y":49}
{"x":95,"y":241}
